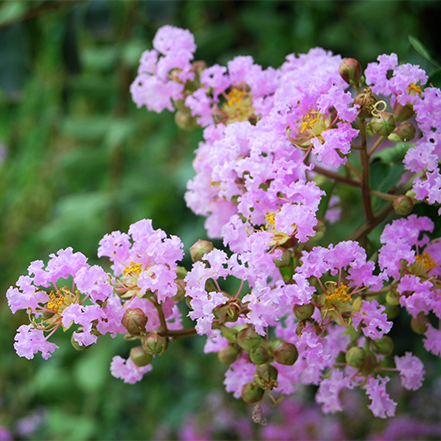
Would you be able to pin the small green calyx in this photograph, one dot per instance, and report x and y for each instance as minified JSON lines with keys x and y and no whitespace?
{"x":370,"y":364}
{"x":266,"y":376}
{"x":134,"y":320}
{"x":260,"y":355}
{"x":382,"y":124}
{"x":355,"y":357}
{"x":251,"y":393}
{"x":153,"y":343}
{"x":419,"y":323}
{"x":384,"y":345}
{"x":248,"y":338}
{"x":228,"y":354}
{"x":303,"y":312}
{"x":139,"y":357}
{"x":285,"y":353}
{"x":403,"y":205}
{"x":405,"y":132}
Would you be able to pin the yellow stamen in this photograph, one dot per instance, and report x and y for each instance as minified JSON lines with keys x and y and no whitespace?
{"x":271,"y":219}
{"x":426,"y":261}
{"x":134,"y":267}
{"x":235,"y":96}
{"x":413,"y":88}
{"x":340,"y":293}
{"x":309,"y":120}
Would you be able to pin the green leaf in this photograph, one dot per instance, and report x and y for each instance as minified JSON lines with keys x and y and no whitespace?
{"x":395,"y":154}
{"x":67,"y":426}
{"x":418,"y":46}
{"x":11,"y":11}
{"x":435,"y":79}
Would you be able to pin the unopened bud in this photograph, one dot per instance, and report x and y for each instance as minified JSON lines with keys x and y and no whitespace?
{"x":401,"y":113}
{"x":248,"y":338}
{"x":259,"y":355}
{"x":184,"y":120}
{"x":286,"y":353}
{"x":77,"y":346}
{"x":251,"y":392}
{"x":199,"y":249}
{"x":134,"y":320}
{"x":370,"y":364}
{"x":366,"y":101}
{"x":403,"y":133}
{"x":419,"y":323}
{"x":303,"y":312}
{"x":350,"y":70}
{"x":228,"y":354}
{"x":266,"y":376}
{"x":392,"y":298}
{"x":179,"y":104}
{"x":180,"y":294}
{"x":355,"y":357}
{"x":383,"y":124}
{"x":230,"y":333}
{"x":384,"y":345}
{"x":153,"y":343}
{"x":139,"y":357}
{"x":403,"y":205}
{"x":357,"y":304}
{"x":285,"y":259}
{"x":181,"y":272}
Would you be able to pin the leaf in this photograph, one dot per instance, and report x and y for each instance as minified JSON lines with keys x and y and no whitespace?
{"x":11,"y":11}
{"x":418,"y":46}
{"x":394,"y":155}
{"x":435,"y":79}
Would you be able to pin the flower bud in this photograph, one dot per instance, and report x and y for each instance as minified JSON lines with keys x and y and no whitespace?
{"x":134,"y":320}
{"x":228,"y":354}
{"x":77,"y":346}
{"x":153,"y":343}
{"x":303,"y":312}
{"x":357,"y":304}
{"x":383,"y":345}
{"x":366,"y":101}
{"x":370,"y":364}
{"x":401,"y":113}
{"x":392,"y":298}
{"x":259,"y":355}
{"x":403,"y":205}
{"x":179,"y":104}
{"x":199,"y":249}
{"x":231,"y":333}
{"x":403,"y":133}
{"x":248,"y":338}
{"x":266,"y":376}
{"x":350,"y":70}
{"x":180,"y":294}
{"x":285,"y":259}
{"x":181,"y":272}
{"x":139,"y":357}
{"x":251,"y":392}
{"x":184,"y":120}
{"x":355,"y":357}
{"x":286,"y":353}
{"x":229,"y":312}
{"x":383,"y":124}
{"x":419,"y":323}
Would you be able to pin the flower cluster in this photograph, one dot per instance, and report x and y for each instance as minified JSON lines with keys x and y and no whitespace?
{"x":303,"y":313}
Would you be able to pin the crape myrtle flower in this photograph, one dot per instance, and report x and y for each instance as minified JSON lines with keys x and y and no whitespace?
{"x":411,"y":371}
{"x":382,"y":405}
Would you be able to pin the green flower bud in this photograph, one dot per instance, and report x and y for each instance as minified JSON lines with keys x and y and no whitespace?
{"x":350,"y":70}
{"x":231,"y":333}
{"x":228,"y":354}
{"x":181,"y":272}
{"x":286,"y":353}
{"x":180,"y":294}
{"x":185,"y":121}
{"x":355,"y":357}
{"x":419,"y":323}
{"x":383,"y":124}
{"x":266,"y":376}
{"x":140,"y":357}
{"x":134,"y":320}
{"x":285,"y":259}
{"x":357,"y":303}
{"x":153,"y":343}
{"x":179,"y":104}
{"x":401,"y":113}
{"x":384,"y":345}
{"x":392,"y":298}
{"x":199,"y":249}
{"x":248,"y":338}
{"x":77,"y":346}
{"x":405,"y":132}
{"x":251,"y":392}
{"x":366,"y":101}
{"x":370,"y":364}
{"x":403,"y":205}
{"x":259,"y":355}
{"x":303,"y":312}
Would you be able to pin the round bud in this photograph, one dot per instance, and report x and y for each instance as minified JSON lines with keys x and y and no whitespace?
{"x":366,"y":101}
{"x":248,"y":338}
{"x":383,"y":124}
{"x":77,"y":346}
{"x":231,"y":333}
{"x":403,"y":205}
{"x":370,"y":364}
{"x":303,"y":312}
{"x":181,"y":272}
{"x":180,"y":294}
{"x":179,"y":104}
{"x":285,"y":259}
{"x":286,"y":353}
{"x":199,"y":249}
{"x":401,"y":113}
{"x":228,"y":354}
{"x":251,"y":392}
{"x":184,"y":120}
{"x":259,"y":355}
{"x":384,"y":345}
{"x":350,"y":70}
{"x":405,"y":132}
{"x":267,"y":372}
{"x":139,"y":357}
{"x":153,"y":343}
{"x":419,"y":323}
{"x":357,"y":304}
{"x":355,"y":357}
{"x":134,"y":320}
{"x":392,"y":298}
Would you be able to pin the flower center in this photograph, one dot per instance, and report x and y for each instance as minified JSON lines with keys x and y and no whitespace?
{"x":133,"y":268}
{"x":340,"y":293}
{"x":309,"y":120}
{"x":413,"y":89}
{"x":426,"y":261}
{"x":238,"y":106}
{"x":271,"y":219}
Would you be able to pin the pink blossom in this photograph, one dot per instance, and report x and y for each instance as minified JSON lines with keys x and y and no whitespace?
{"x":238,"y":374}
{"x":411,"y":371}
{"x":328,"y":393}
{"x":29,"y":341}
{"x":373,"y":318}
{"x":432,"y":341}
{"x":127,"y":371}
{"x":382,"y":406}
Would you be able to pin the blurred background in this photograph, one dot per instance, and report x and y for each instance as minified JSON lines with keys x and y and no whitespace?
{"x":78,"y":160}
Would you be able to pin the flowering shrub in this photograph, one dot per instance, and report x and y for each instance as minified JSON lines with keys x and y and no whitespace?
{"x":302,"y":313}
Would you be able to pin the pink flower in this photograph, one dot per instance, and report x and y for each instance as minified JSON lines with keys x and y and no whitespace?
{"x":411,"y":371}
{"x":127,"y":371}
{"x":238,"y":374}
{"x":382,"y":406}
{"x":373,"y":318}
{"x":29,"y":341}
{"x":329,"y":390}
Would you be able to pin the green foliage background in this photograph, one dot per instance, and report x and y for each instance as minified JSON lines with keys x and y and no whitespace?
{"x":80,"y":160}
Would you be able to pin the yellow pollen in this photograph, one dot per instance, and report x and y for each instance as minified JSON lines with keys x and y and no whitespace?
{"x":134,"y":267}
{"x":58,"y":300}
{"x":309,"y":120}
{"x":271,"y":219}
{"x":426,"y":261}
{"x":340,"y":293}
{"x":413,"y":88}
{"x":235,"y":96}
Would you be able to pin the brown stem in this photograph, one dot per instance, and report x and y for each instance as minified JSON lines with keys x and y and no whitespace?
{"x":182,"y":333}
{"x":158,"y":308}
{"x":376,"y":145}
{"x":365,"y":173}
{"x":337,"y":177}
{"x":387,"y":196}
